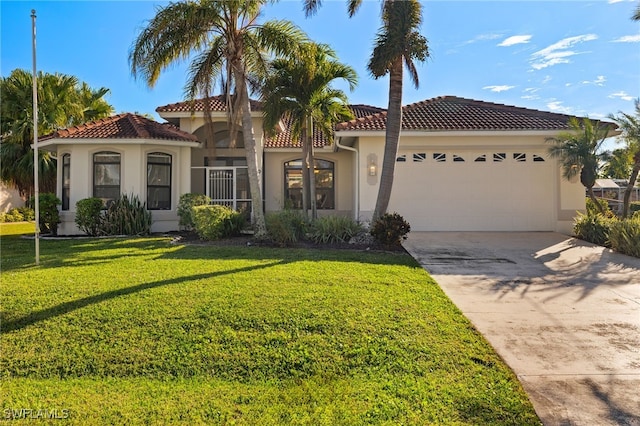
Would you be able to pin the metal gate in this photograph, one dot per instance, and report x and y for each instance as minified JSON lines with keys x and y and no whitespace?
{"x":229,"y":186}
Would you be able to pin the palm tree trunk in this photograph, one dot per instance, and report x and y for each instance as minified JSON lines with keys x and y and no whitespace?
{"x":392,"y":137}
{"x":312,"y":172}
{"x":304,"y":170}
{"x":255,"y":181}
{"x":630,"y":185}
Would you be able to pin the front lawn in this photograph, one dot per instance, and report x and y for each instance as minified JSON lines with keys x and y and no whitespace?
{"x":139,"y":331}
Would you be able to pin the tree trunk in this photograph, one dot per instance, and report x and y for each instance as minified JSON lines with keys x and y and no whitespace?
{"x":312,"y":171}
{"x":255,"y":173}
{"x":630,"y":185}
{"x":392,"y":137}
{"x":305,"y":169}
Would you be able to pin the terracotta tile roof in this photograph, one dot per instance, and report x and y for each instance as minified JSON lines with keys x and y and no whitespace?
{"x":123,"y":126}
{"x":283,"y":138}
{"x":454,"y":113}
{"x":216,"y":104}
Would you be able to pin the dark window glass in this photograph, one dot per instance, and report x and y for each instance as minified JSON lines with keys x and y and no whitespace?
{"x":106,"y":176}
{"x":324,"y":175}
{"x":66,"y":180}
{"x":158,"y":181}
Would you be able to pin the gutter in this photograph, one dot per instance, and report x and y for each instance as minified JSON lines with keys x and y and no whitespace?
{"x":356,"y":201}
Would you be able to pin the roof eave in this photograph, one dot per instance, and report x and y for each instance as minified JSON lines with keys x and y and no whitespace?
{"x":53,"y":143}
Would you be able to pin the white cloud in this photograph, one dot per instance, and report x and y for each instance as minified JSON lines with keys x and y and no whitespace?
{"x":556,"y":106}
{"x":615,"y":1}
{"x":558,"y":52}
{"x":498,"y":89}
{"x":622,"y":95}
{"x":547,"y":79}
{"x":599,"y":81}
{"x":628,"y":39}
{"x":519,"y":39}
{"x":482,"y":37}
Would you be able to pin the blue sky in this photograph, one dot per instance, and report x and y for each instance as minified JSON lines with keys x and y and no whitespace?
{"x":574,"y":57}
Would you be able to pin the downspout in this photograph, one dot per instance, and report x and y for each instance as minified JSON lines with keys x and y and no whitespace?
{"x":356,"y":204}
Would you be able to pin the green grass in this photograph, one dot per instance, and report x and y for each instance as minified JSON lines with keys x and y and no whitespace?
{"x":139,"y":331}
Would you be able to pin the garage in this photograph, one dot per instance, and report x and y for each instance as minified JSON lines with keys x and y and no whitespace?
{"x":475,"y":190}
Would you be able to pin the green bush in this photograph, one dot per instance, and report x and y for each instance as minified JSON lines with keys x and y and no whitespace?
{"x":89,"y":215}
{"x":390,"y":229}
{"x":634,"y":207}
{"x":333,"y":229}
{"x":213,"y":222}
{"x":592,"y":209}
{"x":48,"y":209}
{"x":18,"y":214}
{"x":185,"y":205}
{"x":593,"y":227}
{"x":624,"y":236}
{"x":126,"y":216}
{"x":286,"y":227}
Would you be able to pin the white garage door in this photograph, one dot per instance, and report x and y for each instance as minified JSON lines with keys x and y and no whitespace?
{"x":474,"y":191}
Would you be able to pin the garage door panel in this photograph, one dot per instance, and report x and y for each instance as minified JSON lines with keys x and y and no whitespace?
{"x":513,"y":193}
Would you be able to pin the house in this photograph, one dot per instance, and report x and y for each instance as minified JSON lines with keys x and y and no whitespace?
{"x":462,"y":165}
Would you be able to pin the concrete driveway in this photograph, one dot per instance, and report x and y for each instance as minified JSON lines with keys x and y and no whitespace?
{"x":562,"y":313}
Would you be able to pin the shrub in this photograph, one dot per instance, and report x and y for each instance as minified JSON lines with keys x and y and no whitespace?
{"x":286,"y":227}
{"x":593,"y":227}
{"x":48,"y":209}
{"x":126,"y":216}
{"x":390,"y":229}
{"x":213,"y":222}
{"x":624,"y":236}
{"x":592,"y":209}
{"x":89,"y":215}
{"x":18,"y":214}
{"x":334,"y":229}
{"x":634,"y":207}
{"x":185,"y":206}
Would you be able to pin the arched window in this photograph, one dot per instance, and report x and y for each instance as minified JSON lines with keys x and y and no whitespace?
{"x":66,"y":180}
{"x":324,"y":174}
{"x":106,"y":176}
{"x":158,"y":181}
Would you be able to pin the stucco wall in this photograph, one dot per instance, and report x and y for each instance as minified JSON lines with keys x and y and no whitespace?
{"x":132,"y":179}
{"x":343,"y":179}
{"x":9,"y":198}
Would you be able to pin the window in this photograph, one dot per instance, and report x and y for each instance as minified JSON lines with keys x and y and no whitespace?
{"x":457,"y":159}
{"x":106,"y":176}
{"x":419,"y":157}
{"x":499,"y":157}
{"x":401,"y":158}
{"x":158,"y":181}
{"x":324,"y":173}
{"x":66,"y":180}
{"x":439,"y":157}
{"x":481,"y":159}
{"x":537,"y":158}
{"x":520,"y":157}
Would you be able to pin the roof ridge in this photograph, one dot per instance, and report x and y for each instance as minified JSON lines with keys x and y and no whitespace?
{"x":138,"y":128}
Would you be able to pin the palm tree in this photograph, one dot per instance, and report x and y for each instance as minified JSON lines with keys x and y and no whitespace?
{"x":617,"y":164}
{"x":229,"y":45}
{"x":636,"y":14}
{"x":301,"y":89}
{"x":579,"y":152}
{"x":398,"y":42}
{"x":62,"y":102}
{"x":630,"y":126}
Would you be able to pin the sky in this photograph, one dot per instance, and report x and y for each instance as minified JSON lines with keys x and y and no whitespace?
{"x":574,"y":57}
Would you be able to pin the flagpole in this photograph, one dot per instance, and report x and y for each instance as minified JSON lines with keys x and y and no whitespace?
{"x":36,"y":193}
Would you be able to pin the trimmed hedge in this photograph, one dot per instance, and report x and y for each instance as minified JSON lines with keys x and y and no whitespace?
{"x":213,"y":222}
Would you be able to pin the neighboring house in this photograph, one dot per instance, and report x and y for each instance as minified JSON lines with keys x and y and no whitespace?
{"x":463,"y":165}
{"x":9,"y":198}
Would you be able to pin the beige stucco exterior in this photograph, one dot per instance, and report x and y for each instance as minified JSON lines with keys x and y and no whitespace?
{"x":513,"y":194}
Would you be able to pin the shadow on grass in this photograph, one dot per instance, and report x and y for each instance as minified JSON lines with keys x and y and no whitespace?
{"x":64,"y":308}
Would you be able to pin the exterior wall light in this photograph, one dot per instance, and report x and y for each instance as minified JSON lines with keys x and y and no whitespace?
{"x":373,"y":169}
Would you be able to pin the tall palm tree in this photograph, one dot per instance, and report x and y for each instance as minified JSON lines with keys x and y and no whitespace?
{"x":636,"y":14}
{"x":617,"y":164}
{"x":62,"y":102}
{"x":398,"y":42}
{"x":630,"y":126}
{"x":229,"y":44}
{"x":301,"y":89}
{"x":579,"y":152}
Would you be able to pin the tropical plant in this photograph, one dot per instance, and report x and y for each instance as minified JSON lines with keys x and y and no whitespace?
{"x":185,"y":208}
{"x":300,"y":88}
{"x":89,"y":215}
{"x":333,"y":229}
{"x":213,"y":222}
{"x":398,"y":42}
{"x":593,"y":227}
{"x":624,"y":236}
{"x":617,"y":164}
{"x":126,"y":215}
{"x":579,"y":152}
{"x":62,"y":102}
{"x":48,"y":208}
{"x":390,"y":229}
{"x":286,"y":227}
{"x":228,"y":43}
{"x":630,"y":126}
